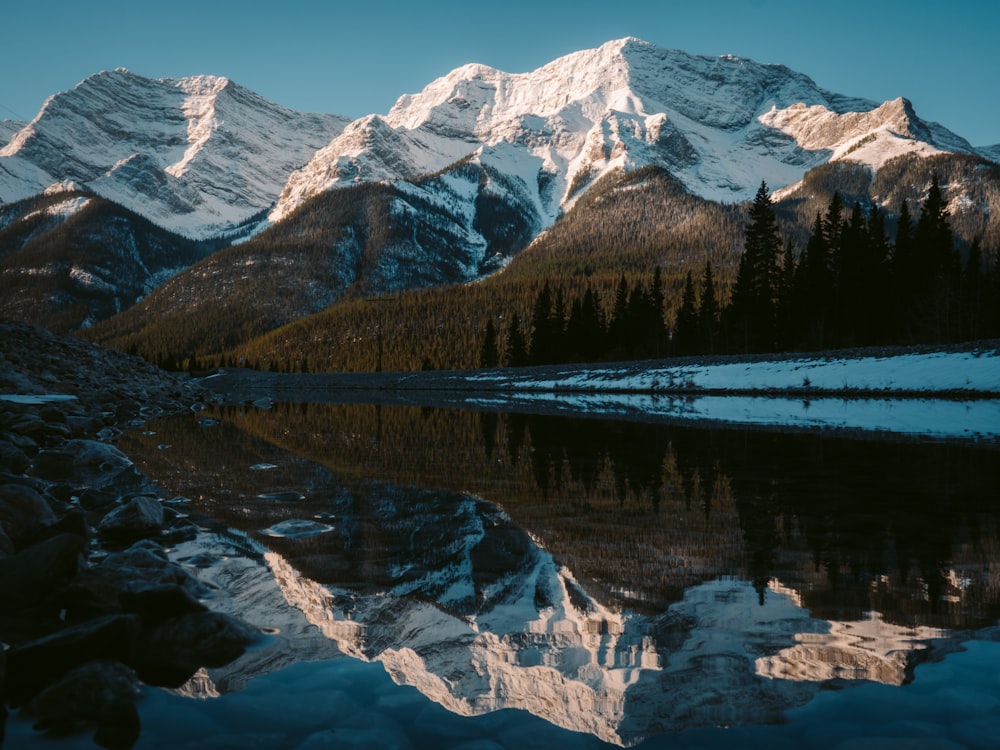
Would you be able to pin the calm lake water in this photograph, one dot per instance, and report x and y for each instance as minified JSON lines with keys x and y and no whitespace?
{"x":445,"y":578}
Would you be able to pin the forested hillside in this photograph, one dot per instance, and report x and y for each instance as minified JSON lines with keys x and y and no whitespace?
{"x":638,"y":268}
{"x":629,"y":225}
{"x":70,"y":258}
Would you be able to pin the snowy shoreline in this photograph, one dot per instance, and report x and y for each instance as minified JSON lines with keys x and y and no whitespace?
{"x":949,"y":394}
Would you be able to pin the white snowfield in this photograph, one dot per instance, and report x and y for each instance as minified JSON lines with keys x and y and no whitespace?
{"x":934,"y":394}
{"x":969,"y":372}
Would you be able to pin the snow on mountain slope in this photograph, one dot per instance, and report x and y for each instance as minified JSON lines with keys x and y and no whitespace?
{"x":720,"y":125}
{"x":196,"y":155}
{"x":7,"y":130}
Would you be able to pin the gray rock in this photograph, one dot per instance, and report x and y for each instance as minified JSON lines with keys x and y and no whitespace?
{"x":143,"y":565}
{"x":155,"y":604}
{"x":32,"y":575}
{"x":170,"y":652}
{"x":23,"y":512}
{"x":33,"y":666}
{"x":86,"y":695}
{"x":12,"y":457}
{"x":97,"y":463}
{"x":140,"y":517}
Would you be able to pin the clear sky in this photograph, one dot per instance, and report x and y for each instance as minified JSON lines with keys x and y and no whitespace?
{"x":357,"y":57}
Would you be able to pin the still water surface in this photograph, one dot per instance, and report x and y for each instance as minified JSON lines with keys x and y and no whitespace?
{"x":447,"y":578}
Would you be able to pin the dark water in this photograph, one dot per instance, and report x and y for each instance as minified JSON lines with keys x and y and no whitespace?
{"x":445,"y":578}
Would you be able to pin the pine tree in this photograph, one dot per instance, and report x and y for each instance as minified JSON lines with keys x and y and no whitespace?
{"x":852,"y":281}
{"x":904,"y":277}
{"x":543,"y":335}
{"x":937,"y":269}
{"x":489,"y":355}
{"x":708,"y":313}
{"x":686,"y":329}
{"x":973,"y":293}
{"x":618,"y":325}
{"x":517,"y":348}
{"x":787,"y":317}
{"x":752,"y":309}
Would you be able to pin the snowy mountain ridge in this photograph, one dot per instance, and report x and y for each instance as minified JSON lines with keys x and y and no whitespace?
{"x":196,"y":155}
{"x":720,"y":125}
{"x":201,"y":155}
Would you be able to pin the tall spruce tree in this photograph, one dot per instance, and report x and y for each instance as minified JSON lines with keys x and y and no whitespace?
{"x":938,"y":269}
{"x":686,"y":329}
{"x":489,"y":355}
{"x":904,"y":281}
{"x":517,"y":348}
{"x":543,"y":334}
{"x":708,"y":313}
{"x":752,"y":308}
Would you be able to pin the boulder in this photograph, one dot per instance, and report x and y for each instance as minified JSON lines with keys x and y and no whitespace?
{"x":12,"y":457}
{"x":157,"y":603}
{"x":170,"y":652}
{"x":33,"y":666}
{"x":90,"y":694}
{"x":23,"y":512}
{"x":101,"y":461}
{"x":143,"y":565}
{"x":33,"y":575}
{"x":140,"y":517}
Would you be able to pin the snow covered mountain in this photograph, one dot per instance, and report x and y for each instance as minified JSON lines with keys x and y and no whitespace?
{"x":195,"y":155}
{"x":455,"y":180}
{"x":720,"y":125}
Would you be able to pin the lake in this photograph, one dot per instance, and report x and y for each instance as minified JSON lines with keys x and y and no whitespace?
{"x":440,"y":577}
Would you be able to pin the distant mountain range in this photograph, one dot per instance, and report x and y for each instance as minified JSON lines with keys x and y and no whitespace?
{"x":454,"y":181}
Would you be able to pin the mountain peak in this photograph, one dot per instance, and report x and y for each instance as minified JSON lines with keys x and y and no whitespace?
{"x":195,"y":154}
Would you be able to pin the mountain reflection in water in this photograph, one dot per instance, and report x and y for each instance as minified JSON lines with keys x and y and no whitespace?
{"x":618,"y":579}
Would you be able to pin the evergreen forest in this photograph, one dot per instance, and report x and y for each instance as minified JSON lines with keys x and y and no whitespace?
{"x":640,"y":270}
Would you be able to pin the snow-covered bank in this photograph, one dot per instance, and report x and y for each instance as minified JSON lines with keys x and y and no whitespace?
{"x":974,"y":373}
{"x":943,"y":394}
{"x":949,"y":395}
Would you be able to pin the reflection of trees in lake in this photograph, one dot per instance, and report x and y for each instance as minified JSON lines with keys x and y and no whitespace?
{"x":642,"y":511}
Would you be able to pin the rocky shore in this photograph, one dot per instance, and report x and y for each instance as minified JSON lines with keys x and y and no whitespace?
{"x":90,"y":605}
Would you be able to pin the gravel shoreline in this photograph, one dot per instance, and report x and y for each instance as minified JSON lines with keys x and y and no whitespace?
{"x":91,"y":606}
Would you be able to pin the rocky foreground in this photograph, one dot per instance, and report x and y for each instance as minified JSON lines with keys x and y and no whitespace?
{"x":90,"y":605}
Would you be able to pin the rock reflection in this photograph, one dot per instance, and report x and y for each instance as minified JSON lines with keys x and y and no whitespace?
{"x":637,"y":580}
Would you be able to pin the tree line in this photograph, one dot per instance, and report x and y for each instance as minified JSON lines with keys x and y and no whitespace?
{"x":849,"y":286}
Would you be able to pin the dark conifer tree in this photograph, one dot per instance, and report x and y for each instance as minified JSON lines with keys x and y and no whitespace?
{"x":617,"y":340}
{"x":489,"y":355}
{"x":543,"y":336}
{"x":657,"y":299}
{"x":517,"y":347}
{"x":938,"y":269}
{"x":593,"y":333}
{"x":557,"y":324}
{"x":878,"y":276}
{"x":973,"y":293}
{"x":816,"y":287}
{"x":852,"y":281}
{"x":752,"y":309}
{"x":686,"y":329}
{"x":708,"y":313}
{"x":904,"y":281}
{"x":786,"y":315}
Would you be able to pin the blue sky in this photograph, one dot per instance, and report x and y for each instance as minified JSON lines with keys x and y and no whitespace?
{"x":355,"y":58}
